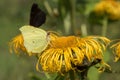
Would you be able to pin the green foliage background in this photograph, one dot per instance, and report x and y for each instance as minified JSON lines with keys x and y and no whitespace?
{"x":15,"y":13}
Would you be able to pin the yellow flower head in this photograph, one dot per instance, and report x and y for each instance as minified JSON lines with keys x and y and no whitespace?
{"x":116,"y":50}
{"x":111,"y":8}
{"x":17,"y":44}
{"x":64,"y":53}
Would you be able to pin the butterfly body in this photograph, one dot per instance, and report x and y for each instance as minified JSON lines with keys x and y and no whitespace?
{"x":35,"y":39}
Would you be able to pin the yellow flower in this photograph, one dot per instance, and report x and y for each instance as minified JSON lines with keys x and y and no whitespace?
{"x":64,"y":53}
{"x":116,"y":50}
{"x":17,"y":44}
{"x":111,"y":8}
{"x":99,"y":8}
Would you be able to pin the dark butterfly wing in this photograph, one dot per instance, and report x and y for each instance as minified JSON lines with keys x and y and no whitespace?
{"x":37,"y":16}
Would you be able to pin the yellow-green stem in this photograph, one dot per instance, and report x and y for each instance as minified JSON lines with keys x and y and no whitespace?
{"x":104,"y":27}
{"x":72,"y":14}
{"x":48,"y":8}
{"x":72,"y":75}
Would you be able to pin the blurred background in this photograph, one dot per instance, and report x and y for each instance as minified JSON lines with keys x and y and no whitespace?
{"x":67,"y":17}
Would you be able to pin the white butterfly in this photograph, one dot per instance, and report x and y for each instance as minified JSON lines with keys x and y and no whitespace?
{"x":35,"y":39}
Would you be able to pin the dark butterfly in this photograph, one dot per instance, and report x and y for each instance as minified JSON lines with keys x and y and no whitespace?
{"x":37,"y":16}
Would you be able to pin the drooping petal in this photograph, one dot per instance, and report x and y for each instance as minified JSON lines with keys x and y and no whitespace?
{"x":16,"y":44}
{"x":64,"y":53}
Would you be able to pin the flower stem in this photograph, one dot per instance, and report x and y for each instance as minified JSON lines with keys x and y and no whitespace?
{"x":84,"y":74}
{"x":72,"y":75}
{"x":104,"y":27}
{"x":48,"y":8}
{"x":72,"y":15}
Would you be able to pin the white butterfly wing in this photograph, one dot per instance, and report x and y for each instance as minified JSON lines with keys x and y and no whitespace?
{"x":35,"y":39}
